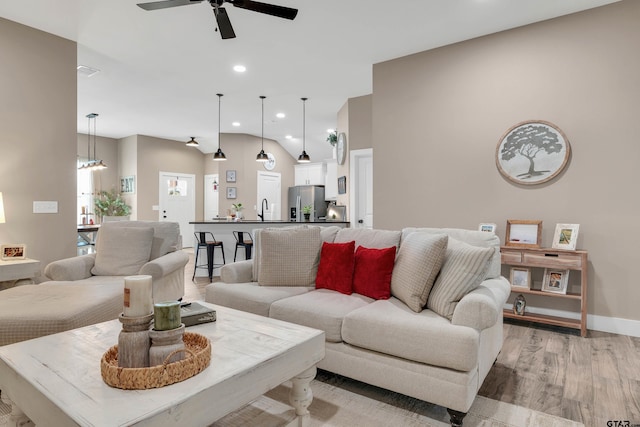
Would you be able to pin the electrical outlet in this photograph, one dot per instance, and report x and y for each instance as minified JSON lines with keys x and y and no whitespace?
{"x":45,"y":207}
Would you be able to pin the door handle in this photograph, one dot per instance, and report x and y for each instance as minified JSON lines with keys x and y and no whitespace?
{"x":360,"y":221}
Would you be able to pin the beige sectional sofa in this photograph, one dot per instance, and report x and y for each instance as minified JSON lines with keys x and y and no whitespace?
{"x":88,"y":289}
{"x":435,"y":342}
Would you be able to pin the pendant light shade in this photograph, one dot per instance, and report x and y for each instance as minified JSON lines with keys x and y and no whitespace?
{"x":304,"y":157}
{"x":219,"y":155}
{"x":193,"y":142}
{"x":92,"y":164}
{"x":262,"y":156}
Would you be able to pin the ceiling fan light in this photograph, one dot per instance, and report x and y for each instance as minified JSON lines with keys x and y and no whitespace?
{"x":219,"y":156}
{"x":192,"y":143}
{"x":262,"y":157}
{"x":304,"y":157}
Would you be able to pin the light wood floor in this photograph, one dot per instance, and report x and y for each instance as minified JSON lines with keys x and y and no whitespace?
{"x":553,"y":370}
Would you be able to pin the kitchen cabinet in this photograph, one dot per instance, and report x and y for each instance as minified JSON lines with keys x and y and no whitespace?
{"x":310,"y":174}
{"x":331,"y":182}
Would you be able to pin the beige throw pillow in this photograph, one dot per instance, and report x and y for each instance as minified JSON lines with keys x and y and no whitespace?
{"x":289,"y":257}
{"x":417,"y":264}
{"x":464,"y":268}
{"x":122,"y":251}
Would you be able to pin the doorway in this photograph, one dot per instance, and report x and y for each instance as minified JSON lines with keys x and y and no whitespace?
{"x":361,"y":188}
{"x":178,"y":202}
{"x":269,"y":187}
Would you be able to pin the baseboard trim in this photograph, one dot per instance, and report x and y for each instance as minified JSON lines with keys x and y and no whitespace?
{"x":614,"y":325}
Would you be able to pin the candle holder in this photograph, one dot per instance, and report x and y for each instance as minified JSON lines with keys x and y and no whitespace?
{"x":163,"y":343}
{"x":133,"y":341}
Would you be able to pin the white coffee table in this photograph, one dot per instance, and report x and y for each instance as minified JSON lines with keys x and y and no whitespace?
{"x":55,"y":380}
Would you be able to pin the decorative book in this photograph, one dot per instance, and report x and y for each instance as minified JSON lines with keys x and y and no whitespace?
{"x":195,"y":314}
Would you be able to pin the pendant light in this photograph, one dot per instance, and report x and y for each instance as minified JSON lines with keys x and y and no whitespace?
{"x":193,"y":142}
{"x":304,"y":157}
{"x":262,"y":156}
{"x":92,"y":164}
{"x":219,"y":155}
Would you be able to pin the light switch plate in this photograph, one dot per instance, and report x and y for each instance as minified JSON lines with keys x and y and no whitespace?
{"x":45,"y":207}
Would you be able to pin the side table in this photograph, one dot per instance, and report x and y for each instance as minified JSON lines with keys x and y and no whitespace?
{"x":18,"y":272}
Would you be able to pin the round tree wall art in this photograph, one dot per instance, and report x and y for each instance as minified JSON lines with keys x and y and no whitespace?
{"x":532,"y":152}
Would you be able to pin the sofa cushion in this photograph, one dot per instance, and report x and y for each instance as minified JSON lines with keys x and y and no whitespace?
{"x":166,"y":235}
{"x":419,"y":260}
{"x":336,"y":267}
{"x":320,"y":309}
{"x":372,"y":272}
{"x":369,"y":238}
{"x":250,"y":297}
{"x":289,"y":257}
{"x":472,"y":237}
{"x":390,"y":327}
{"x":464,"y":268}
{"x":122,"y":251}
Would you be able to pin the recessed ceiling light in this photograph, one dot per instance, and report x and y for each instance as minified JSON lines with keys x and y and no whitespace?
{"x":236,"y":124}
{"x":281,"y":115}
{"x":239,"y":68}
{"x":288,"y":136}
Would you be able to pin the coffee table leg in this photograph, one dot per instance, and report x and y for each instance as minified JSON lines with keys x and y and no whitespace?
{"x":301,"y":396}
{"x":17,"y":417}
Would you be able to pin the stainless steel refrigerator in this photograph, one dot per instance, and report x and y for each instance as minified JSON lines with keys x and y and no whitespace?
{"x":307,"y":195}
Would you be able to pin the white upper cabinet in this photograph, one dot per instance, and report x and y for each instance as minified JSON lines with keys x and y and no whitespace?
{"x":331,"y":183}
{"x":310,"y":174}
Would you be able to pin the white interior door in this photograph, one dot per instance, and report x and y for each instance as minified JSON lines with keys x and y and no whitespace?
{"x":178,"y":202}
{"x":269,"y":187}
{"x":361,"y":188}
{"x":211,"y":196}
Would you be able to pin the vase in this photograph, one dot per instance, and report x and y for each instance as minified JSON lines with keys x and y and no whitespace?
{"x":238,"y":214}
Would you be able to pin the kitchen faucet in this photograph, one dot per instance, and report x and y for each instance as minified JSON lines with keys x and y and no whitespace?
{"x":262,"y":209}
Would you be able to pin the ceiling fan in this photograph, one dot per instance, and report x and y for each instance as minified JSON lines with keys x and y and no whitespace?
{"x":224,"y":24}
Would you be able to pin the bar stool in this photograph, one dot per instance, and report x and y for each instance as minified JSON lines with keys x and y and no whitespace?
{"x":243,"y":239}
{"x":205,"y":239}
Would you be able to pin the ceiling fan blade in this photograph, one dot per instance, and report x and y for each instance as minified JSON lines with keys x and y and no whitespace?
{"x":224,"y":24}
{"x":155,"y":5}
{"x":269,"y":9}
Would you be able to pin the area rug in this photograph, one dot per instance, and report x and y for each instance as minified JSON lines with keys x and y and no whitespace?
{"x":339,"y":401}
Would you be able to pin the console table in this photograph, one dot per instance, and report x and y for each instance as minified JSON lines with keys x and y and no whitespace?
{"x":14,"y":271}
{"x":550,"y":258}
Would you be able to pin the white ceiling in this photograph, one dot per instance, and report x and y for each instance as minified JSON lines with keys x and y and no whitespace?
{"x":161,"y":70}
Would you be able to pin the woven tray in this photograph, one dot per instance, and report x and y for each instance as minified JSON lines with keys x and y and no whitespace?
{"x":198,"y":357}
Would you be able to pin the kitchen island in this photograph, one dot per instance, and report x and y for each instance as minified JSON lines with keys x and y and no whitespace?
{"x":223,"y":231}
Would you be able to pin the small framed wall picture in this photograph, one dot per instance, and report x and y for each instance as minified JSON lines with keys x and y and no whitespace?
{"x":128,"y":184}
{"x":231,"y":175}
{"x":565,"y":236}
{"x":12,"y":252}
{"x":520,"y":277}
{"x":487,"y":227}
{"x":523,"y":233}
{"x":342,"y":185}
{"x":555,"y":280}
{"x":231,"y":192}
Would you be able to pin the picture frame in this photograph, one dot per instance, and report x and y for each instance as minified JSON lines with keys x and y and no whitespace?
{"x":231,"y":175}
{"x":342,"y":185}
{"x":128,"y":184}
{"x":555,"y":281}
{"x":231,"y":193}
{"x":565,"y":236}
{"x":532,"y":152}
{"x":520,"y":277}
{"x":523,"y":233}
{"x":487,"y":227}
{"x":13,"y":252}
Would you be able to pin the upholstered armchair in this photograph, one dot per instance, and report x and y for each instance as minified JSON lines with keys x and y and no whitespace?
{"x":126,"y":248}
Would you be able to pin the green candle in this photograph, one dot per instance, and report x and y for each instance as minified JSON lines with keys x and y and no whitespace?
{"x":166,"y":315}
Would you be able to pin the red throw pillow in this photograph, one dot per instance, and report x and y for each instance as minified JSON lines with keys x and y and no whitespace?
{"x":372,"y":273}
{"x":335,"y":271}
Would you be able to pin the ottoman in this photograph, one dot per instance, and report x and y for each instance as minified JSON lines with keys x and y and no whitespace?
{"x":32,"y":311}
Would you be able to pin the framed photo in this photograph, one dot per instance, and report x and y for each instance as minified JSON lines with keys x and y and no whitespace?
{"x":342,"y":185}
{"x":231,"y":192}
{"x":523,"y":233}
{"x":532,"y":152}
{"x":489,"y":228}
{"x":128,"y":184}
{"x":231,"y":176}
{"x":565,"y":236}
{"x":555,"y":280}
{"x":11,"y":252}
{"x":520,"y":277}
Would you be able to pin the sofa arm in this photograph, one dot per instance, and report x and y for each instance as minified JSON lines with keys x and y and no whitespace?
{"x":237,"y":272}
{"x":481,"y":308}
{"x":165,"y":265}
{"x":76,"y":268}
